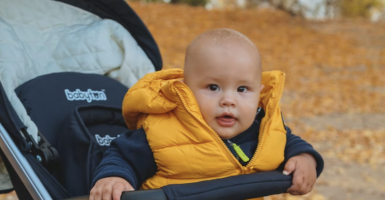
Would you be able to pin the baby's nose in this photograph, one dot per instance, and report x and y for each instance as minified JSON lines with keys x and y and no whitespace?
{"x":228,"y":102}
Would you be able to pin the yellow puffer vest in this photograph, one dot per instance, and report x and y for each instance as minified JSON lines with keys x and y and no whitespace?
{"x":185,"y":148}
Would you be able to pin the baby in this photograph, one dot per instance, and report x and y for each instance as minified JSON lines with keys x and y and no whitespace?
{"x":219,"y":117}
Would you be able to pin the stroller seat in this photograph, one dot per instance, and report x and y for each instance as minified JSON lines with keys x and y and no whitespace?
{"x":50,"y":99}
{"x":57,"y":37}
{"x":41,"y":37}
{"x":79,"y":118}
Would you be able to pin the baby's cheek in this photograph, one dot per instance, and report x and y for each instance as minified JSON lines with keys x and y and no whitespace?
{"x":249,"y":113}
{"x":205,"y":102}
{"x":249,"y":121}
{"x":206,"y":110}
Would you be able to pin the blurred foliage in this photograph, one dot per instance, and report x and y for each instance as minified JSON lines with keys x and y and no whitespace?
{"x":358,"y":8}
{"x":9,"y":196}
{"x":342,"y":8}
{"x":190,"y":2}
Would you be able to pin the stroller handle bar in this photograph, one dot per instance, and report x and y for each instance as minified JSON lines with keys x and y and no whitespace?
{"x":155,"y":194}
{"x":230,"y":188}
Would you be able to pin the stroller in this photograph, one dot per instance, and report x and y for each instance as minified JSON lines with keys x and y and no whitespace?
{"x":65,"y":66}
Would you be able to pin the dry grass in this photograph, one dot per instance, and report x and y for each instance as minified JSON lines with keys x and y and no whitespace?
{"x":358,"y":8}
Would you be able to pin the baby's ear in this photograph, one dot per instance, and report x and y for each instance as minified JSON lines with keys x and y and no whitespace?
{"x":262,"y":86}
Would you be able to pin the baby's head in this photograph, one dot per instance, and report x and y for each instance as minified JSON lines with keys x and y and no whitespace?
{"x":223,"y":70}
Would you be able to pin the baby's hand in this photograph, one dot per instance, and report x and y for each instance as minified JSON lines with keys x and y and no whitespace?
{"x":305,"y":175}
{"x":109,"y":188}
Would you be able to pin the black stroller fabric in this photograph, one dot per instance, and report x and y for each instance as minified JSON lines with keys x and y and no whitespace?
{"x":13,"y":126}
{"x":51,"y":98}
{"x":88,"y":133}
{"x":79,"y":114}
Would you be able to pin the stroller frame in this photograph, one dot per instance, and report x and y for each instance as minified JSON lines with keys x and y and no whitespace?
{"x":22,"y":166}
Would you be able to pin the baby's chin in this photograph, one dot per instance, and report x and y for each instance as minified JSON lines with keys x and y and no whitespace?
{"x":224,"y":135}
{"x":227,"y":132}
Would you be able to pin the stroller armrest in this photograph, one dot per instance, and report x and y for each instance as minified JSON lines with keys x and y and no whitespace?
{"x":231,"y":188}
{"x":155,"y":194}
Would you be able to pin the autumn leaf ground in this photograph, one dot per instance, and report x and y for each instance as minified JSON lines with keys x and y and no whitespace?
{"x":335,"y":86}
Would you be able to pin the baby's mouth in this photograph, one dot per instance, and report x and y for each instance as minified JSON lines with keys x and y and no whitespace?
{"x":226,"y":120}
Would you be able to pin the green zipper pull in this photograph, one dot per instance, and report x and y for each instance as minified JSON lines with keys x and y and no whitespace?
{"x":239,"y":151}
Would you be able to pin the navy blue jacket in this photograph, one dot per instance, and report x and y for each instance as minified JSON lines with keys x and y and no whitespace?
{"x":131,"y":158}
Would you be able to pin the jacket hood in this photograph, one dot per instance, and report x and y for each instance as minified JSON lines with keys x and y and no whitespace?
{"x":147,"y":96}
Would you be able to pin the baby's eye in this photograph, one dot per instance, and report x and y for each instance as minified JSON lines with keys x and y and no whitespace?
{"x":242,"y":89}
{"x":213,"y":87}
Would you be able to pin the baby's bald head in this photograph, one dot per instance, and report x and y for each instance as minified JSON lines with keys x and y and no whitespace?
{"x":220,"y":36}
{"x":219,"y":41}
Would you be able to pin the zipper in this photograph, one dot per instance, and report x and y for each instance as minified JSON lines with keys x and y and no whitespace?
{"x":270,"y":119}
{"x":219,"y":140}
{"x":239,"y":152}
{"x":231,"y":144}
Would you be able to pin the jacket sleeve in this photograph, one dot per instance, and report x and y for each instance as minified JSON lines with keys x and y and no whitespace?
{"x":129,"y":157}
{"x":295,"y":146}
